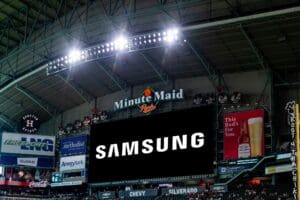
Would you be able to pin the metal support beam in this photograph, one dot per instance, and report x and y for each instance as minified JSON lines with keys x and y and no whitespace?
{"x":158,"y":69}
{"x":219,"y":23}
{"x":8,"y":122}
{"x":84,"y":95}
{"x":38,"y":100}
{"x":292,"y":84}
{"x":113,"y":76}
{"x":214,"y":76}
{"x":244,"y":19}
{"x":260,"y":57}
{"x":17,"y":80}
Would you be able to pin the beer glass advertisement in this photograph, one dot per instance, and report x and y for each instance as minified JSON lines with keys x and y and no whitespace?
{"x":244,"y":134}
{"x":127,"y":149}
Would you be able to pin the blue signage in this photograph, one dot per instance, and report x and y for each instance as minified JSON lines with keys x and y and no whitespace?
{"x":138,"y":193}
{"x":73,"y":145}
{"x":17,"y":143}
{"x":42,"y":162}
{"x":35,"y":144}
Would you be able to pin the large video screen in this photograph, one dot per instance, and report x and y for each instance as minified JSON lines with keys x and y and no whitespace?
{"x":171,"y":144}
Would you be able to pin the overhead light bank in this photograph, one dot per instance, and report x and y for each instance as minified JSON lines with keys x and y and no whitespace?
{"x":120,"y":44}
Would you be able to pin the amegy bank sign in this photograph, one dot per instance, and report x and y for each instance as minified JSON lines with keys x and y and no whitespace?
{"x":149,"y":100}
{"x":17,"y":143}
{"x":72,"y":163}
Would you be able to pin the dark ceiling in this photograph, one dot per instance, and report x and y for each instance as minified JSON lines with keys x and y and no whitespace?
{"x":270,"y":44}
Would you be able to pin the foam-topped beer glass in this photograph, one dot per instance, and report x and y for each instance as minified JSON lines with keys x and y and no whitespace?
{"x":255,"y":127}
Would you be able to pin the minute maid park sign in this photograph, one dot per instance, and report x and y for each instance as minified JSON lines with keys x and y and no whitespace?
{"x":149,"y":100}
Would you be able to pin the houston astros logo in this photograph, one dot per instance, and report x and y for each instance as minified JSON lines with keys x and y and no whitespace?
{"x":30,"y":123}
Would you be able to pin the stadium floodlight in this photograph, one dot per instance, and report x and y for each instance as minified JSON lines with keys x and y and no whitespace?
{"x":121,"y":43}
{"x":171,"y":35}
{"x":74,"y":56}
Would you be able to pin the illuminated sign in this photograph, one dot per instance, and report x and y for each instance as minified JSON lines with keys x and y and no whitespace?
{"x":146,"y":146}
{"x":278,"y":169}
{"x":28,"y":144}
{"x":73,"y":145}
{"x":182,"y":190}
{"x":184,"y":136}
{"x":149,"y":100}
{"x":72,"y":163}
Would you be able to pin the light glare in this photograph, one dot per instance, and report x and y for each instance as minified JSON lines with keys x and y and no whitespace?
{"x":121,"y":43}
{"x":74,"y":56}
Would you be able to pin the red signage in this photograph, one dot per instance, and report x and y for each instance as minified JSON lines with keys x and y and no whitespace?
{"x":244,"y":134}
{"x":14,"y":183}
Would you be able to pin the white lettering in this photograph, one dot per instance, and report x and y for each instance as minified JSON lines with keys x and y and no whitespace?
{"x":159,"y":144}
{"x":130,"y":149}
{"x":137,"y":193}
{"x":197,"y":140}
{"x":113,"y":149}
{"x":101,"y":153}
{"x":181,"y":142}
{"x":147,"y":146}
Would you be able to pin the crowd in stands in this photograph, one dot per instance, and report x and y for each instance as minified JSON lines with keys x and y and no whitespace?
{"x":246,"y":192}
{"x":239,"y":192}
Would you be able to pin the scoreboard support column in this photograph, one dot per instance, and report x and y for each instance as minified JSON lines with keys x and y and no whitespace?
{"x":298,"y":150}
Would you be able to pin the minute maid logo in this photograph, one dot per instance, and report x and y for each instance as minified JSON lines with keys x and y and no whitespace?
{"x":149,"y":100}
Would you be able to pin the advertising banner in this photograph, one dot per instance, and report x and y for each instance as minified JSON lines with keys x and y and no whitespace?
{"x":166,"y":139}
{"x":32,"y":162}
{"x":181,"y":190}
{"x":244,"y":134}
{"x":41,"y":162}
{"x":66,"y":184}
{"x":230,"y":171}
{"x":219,"y":188}
{"x":141,"y":193}
{"x":73,"y":145}
{"x":72,"y":163}
{"x":107,"y":195}
{"x":278,"y":169}
{"x":28,"y":144}
{"x":26,"y":177}
{"x":40,"y":184}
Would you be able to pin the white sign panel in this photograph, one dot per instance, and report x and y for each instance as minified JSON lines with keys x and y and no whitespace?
{"x":28,"y":144}
{"x":278,"y":169}
{"x":27,"y":161}
{"x":72,"y":163}
{"x":66,"y":183}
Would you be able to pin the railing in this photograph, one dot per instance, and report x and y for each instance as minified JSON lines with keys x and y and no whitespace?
{"x":245,"y":170}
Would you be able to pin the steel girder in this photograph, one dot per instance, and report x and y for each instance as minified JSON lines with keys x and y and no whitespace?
{"x":236,"y":20}
{"x":84,"y":95}
{"x":51,"y":110}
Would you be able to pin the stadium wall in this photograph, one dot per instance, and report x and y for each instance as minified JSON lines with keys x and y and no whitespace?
{"x":191,"y":86}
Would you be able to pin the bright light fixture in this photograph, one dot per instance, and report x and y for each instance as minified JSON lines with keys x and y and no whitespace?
{"x":121,"y":43}
{"x":74,"y":56}
{"x":172,"y":35}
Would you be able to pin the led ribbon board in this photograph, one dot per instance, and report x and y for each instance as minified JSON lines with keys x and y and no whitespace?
{"x":120,"y":150}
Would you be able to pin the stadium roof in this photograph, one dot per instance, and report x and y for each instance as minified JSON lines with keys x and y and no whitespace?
{"x":223,"y":36}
